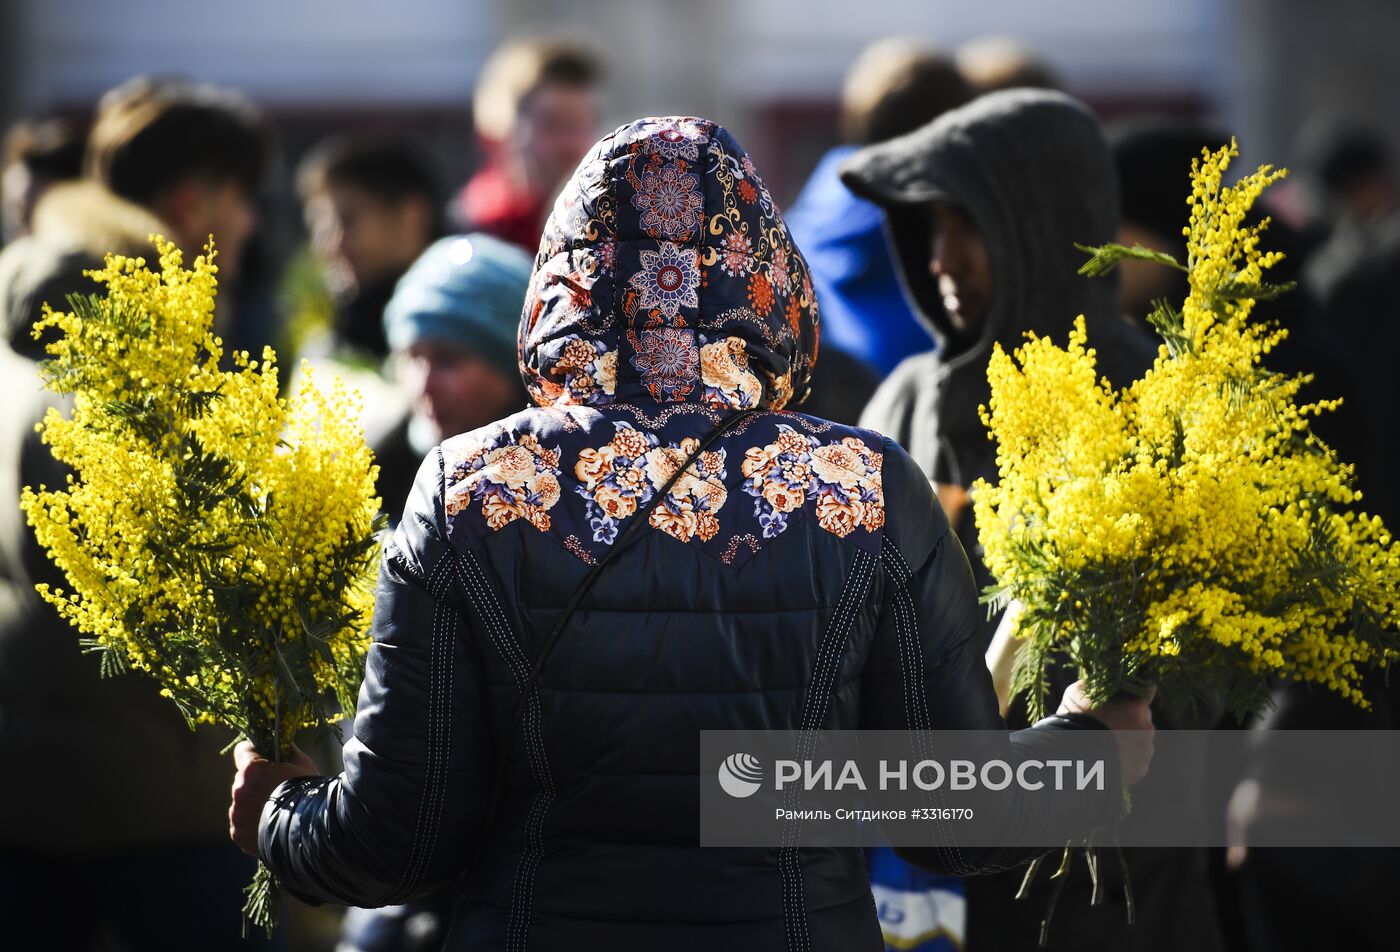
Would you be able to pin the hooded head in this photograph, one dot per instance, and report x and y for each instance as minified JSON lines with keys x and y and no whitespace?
{"x":1032,"y":170}
{"x":666,"y":275}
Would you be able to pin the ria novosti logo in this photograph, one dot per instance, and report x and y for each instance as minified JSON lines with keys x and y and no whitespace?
{"x":740,"y":775}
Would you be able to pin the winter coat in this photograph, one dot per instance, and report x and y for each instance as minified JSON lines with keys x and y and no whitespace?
{"x":493,"y":202}
{"x":147,"y":780}
{"x":799,"y":573}
{"x":1349,"y":346}
{"x":76,"y":224}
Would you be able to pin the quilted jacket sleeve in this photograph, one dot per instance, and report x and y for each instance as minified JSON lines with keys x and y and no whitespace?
{"x":926,"y":671}
{"x":401,"y":818}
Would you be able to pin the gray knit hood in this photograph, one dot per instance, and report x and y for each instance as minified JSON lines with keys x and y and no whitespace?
{"x":1034,"y":172}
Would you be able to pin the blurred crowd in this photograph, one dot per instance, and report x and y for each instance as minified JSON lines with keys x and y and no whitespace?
{"x":943,"y":222}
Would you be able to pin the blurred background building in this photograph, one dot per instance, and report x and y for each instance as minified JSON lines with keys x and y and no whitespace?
{"x":771,"y":70}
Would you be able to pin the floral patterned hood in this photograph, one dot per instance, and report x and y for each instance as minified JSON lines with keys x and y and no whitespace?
{"x":666,"y":293}
{"x":666,"y":275}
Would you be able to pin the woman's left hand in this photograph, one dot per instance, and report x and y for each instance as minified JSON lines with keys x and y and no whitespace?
{"x":254,"y":782}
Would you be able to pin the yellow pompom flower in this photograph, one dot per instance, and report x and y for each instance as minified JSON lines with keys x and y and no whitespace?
{"x":213,"y":535}
{"x":1188,"y":529}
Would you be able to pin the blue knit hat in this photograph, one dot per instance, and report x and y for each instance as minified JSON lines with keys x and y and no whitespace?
{"x":466,"y":290}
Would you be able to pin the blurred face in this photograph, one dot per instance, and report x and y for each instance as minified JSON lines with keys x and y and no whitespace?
{"x":197,"y":209}
{"x":557,"y":125}
{"x":960,"y":265}
{"x":455,"y":389}
{"x":364,"y":240}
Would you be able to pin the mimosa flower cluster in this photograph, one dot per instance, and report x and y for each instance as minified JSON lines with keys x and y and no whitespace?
{"x":213,"y":535}
{"x":1188,"y":530}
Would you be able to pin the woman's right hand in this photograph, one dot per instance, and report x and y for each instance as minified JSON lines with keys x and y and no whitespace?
{"x":253,"y":783}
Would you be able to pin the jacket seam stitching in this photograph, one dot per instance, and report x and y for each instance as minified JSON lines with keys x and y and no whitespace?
{"x":504,"y":638}
{"x":430,"y":808}
{"x":830,"y":658}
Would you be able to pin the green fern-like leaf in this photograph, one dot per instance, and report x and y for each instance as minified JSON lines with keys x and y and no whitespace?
{"x":1104,"y":258}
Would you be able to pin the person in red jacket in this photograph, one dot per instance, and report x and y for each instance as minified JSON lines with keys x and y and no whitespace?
{"x":536,"y":108}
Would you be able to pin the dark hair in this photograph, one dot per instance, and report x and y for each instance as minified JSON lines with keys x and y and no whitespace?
{"x":391,"y":170}
{"x":48,"y":148}
{"x":1342,"y":152}
{"x":151,"y":134}
{"x":568,"y":64}
{"x":894,"y":88}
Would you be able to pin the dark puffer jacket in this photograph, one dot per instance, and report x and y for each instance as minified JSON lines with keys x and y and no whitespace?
{"x":666,"y":297}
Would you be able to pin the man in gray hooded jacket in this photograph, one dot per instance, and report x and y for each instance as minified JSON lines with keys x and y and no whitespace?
{"x":984,"y":207}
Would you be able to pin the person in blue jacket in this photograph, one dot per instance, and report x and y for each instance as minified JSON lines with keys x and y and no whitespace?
{"x":892,"y":88}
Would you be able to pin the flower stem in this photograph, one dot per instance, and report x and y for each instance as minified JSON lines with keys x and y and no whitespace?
{"x":260,"y":905}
